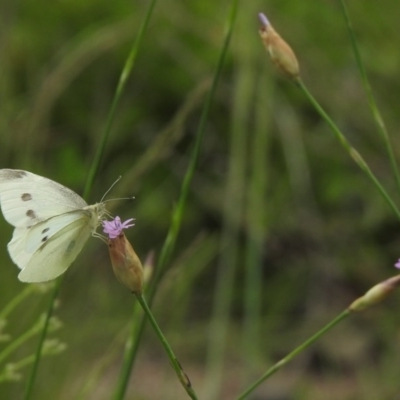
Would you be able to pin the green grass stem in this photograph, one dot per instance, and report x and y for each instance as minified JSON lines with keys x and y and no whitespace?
{"x":371,"y":100}
{"x":16,"y":366}
{"x":21,"y":296}
{"x":126,"y":71}
{"x":350,"y":150}
{"x":176,"y":218}
{"x":42,"y":337}
{"x":293,"y":354}
{"x":22,"y":339}
{"x":183,"y":378}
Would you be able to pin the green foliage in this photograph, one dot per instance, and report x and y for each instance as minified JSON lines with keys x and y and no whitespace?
{"x":297,"y":209}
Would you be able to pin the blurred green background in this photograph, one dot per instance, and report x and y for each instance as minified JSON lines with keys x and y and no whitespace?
{"x":273,"y":190}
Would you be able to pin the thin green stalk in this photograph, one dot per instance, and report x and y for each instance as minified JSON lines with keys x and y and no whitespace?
{"x":129,"y":353}
{"x":352,"y":152}
{"x":177,"y":215}
{"x":126,"y":71}
{"x":21,"y":339}
{"x":28,"y":289}
{"x":371,"y":100}
{"x":183,"y":378}
{"x":43,"y":334}
{"x":176,"y":218}
{"x":16,"y":366}
{"x":293,"y":354}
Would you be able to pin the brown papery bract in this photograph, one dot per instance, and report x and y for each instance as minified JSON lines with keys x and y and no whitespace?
{"x":376,"y":294}
{"x":281,"y":53}
{"x":126,"y":264}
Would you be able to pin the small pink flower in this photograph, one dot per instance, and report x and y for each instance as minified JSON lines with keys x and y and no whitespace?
{"x":397,"y":265}
{"x":115,"y":227}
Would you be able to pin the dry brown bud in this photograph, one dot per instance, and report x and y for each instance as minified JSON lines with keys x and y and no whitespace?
{"x":126,"y":264}
{"x":376,"y":294}
{"x":280,"y":52}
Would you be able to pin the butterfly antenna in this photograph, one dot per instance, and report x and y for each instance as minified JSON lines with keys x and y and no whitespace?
{"x":108,"y":191}
{"x":120,"y":198}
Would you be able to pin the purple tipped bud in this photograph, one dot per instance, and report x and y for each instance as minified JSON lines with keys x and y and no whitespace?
{"x":264,"y":20}
{"x":280,"y":52}
{"x":126,"y":264}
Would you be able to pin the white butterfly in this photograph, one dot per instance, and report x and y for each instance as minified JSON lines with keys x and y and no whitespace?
{"x":52,"y":223}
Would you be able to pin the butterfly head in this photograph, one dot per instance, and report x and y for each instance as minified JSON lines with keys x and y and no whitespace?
{"x":97,"y":213}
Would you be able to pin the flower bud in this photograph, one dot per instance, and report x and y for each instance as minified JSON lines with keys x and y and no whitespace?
{"x":280,"y":52}
{"x":126,"y":264}
{"x":376,"y":294}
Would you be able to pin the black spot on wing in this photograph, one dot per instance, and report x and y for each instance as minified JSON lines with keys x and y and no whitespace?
{"x":70,"y":246}
{"x":31,"y":214}
{"x":26,"y":197}
{"x":44,"y":241}
{"x":45,"y":230}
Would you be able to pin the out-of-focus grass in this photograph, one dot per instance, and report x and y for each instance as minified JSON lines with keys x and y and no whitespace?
{"x":329,"y":235}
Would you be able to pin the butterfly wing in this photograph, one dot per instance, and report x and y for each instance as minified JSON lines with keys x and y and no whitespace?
{"x":44,"y":231}
{"x":16,"y":247}
{"x":27,"y":199}
{"x":52,"y":223}
{"x":45,"y":260}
